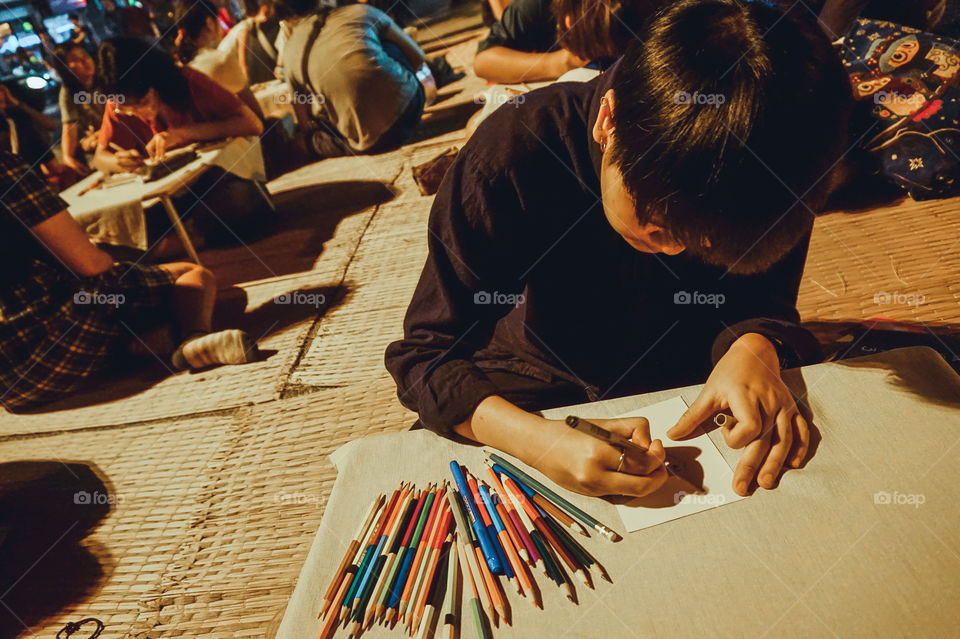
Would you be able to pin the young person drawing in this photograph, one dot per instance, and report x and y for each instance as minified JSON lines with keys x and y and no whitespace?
{"x":641,"y":231}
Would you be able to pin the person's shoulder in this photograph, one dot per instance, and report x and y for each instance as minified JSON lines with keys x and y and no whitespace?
{"x":530,"y":126}
{"x":358,"y":11}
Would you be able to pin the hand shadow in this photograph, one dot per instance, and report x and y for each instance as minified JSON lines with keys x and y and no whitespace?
{"x":685,"y":476}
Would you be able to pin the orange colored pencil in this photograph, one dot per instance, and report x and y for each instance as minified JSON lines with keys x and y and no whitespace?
{"x":558,"y":514}
{"x":418,"y":557}
{"x":329,"y":626}
{"x":558,"y":546}
{"x":350,"y":555}
{"x":492,"y":585}
{"x":435,"y":552}
{"x":504,"y":512}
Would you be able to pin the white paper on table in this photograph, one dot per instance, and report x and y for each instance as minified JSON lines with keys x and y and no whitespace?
{"x":696,"y":458}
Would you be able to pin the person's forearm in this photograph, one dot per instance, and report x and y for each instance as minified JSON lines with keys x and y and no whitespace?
{"x":68,"y":141}
{"x":498,"y":423}
{"x":508,"y":66}
{"x":240,"y":125}
{"x":106,"y":161}
{"x":39,"y":119}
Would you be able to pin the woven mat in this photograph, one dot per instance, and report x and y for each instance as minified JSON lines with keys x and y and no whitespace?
{"x":325,"y":233}
{"x":900,"y":261}
{"x":348,"y":347}
{"x":215,"y":513}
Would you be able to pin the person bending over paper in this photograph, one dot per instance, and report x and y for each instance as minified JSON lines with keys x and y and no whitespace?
{"x":155,"y":106}
{"x":615,"y":237}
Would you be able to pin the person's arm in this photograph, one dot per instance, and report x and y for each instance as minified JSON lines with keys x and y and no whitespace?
{"x":68,"y":146}
{"x":242,"y":123}
{"x":477,"y":240}
{"x":39,"y":120}
{"x":63,"y":237}
{"x":412,"y":50}
{"x":509,"y":66}
{"x":522,"y":46}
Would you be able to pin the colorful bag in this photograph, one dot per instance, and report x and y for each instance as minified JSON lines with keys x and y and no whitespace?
{"x":908,"y":82}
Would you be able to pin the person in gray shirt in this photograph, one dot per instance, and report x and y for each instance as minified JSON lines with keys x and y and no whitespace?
{"x":356,"y":76}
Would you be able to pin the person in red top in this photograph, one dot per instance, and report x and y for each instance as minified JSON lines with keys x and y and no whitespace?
{"x":156,"y":105}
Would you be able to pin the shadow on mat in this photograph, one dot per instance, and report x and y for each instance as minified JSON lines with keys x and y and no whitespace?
{"x":46,"y":510}
{"x":307,"y":218}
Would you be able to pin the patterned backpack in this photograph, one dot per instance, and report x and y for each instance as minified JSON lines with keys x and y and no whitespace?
{"x":907,"y":83}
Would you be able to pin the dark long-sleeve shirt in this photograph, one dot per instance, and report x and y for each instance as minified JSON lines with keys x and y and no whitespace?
{"x":519,"y":214}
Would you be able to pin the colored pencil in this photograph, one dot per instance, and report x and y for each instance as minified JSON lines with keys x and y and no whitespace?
{"x":350,"y":554}
{"x":574,"y":512}
{"x":367,"y":561}
{"x":496,"y":494}
{"x":525,"y":523}
{"x":414,"y":542}
{"x":435,"y":553}
{"x":488,"y":525}
{"x":493,"y":586}
{"x":548,"y":534}
{"x":582,"y":554}
{"x":370,"y":578}
{"x":486,"y":545}
{"x":425,"y":620}
{"x":562,"y":517}
{"x":456,"y":508}
{"x":404,"y":509}
{"x":555,"y":566}
{"x":476,"y":610}
{"x":450,"y":607}
{"x":400,"y":552}
{"x":330,"y":625}
{"x":519,"y":574}
{"x":416,"y":567}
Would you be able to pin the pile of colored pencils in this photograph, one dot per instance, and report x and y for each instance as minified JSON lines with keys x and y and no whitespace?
{"x":474,"y":534}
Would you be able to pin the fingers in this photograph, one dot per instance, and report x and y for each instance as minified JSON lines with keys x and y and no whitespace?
{"x":700,"y":411}
{"x":613,"y":483}
{"x":781,"y":443}
{"x":749,"y":422}
{"x":801,"y":441}
{"x":750,"y":462}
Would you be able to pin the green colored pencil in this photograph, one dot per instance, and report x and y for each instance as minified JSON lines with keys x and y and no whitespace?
{"x":572,"y":510}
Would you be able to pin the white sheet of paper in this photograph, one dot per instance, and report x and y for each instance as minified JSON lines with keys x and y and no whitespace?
{"x":696,"y":458}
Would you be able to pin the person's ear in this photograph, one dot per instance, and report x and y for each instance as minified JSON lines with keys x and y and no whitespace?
{"x":603,"y":127}
{"x":568,"y":22}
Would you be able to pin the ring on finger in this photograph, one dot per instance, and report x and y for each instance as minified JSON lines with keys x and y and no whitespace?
{"x":620,"y":463}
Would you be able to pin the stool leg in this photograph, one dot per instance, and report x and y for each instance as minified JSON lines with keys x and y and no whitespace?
{"x":181,"y":229}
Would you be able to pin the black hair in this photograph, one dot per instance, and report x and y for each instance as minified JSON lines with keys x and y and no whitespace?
{"x":726,"y":113}
{"x":600,"y":29}
{"x":252,"y":7}
{"x":73,"y":15}
{"x":191,"y":18}
{"x":59,"y":62}
{"x":285,"y":9}
{"x":131,"y":67}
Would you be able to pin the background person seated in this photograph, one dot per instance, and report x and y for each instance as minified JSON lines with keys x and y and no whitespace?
{"x":160,"y":106}
{"x":81,"y":108}
{"x":67,"y":311}
{"x":363,"y":78}
{"x":537,"y":40}
{"x":198,"y":40}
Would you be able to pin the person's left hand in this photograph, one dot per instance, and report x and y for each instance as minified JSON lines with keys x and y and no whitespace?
{"x":163,"y":141}
{"x":769,"y":426}
{"x":89,"y":142}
